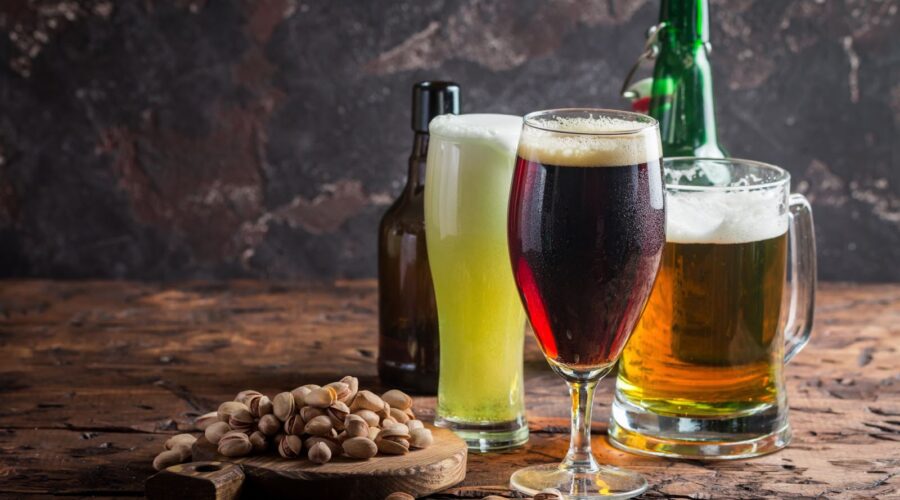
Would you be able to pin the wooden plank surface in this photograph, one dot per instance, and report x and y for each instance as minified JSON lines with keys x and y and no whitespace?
{"x":95,"y":375}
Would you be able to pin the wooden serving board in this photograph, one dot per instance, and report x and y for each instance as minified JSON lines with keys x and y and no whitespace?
{"x":419,"y":473}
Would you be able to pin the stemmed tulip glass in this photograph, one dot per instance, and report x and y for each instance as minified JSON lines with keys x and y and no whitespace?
{"x":586,"y":231}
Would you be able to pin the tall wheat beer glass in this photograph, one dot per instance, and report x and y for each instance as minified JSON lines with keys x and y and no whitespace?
{"x":586,"y":231}
{"x":703,"y":375}
{"x":480,"y":320}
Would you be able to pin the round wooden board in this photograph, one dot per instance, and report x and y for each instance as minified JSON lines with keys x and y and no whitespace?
{"x":419,"y":472}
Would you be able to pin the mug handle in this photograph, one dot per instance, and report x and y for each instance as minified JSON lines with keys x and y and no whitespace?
{"x":803,"y":276}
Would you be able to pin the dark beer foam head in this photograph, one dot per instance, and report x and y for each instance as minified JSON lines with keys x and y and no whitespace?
{"x":601,"y":141}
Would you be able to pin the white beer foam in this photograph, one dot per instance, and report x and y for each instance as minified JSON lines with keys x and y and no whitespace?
{"x":503,"y":130}
{"x":725,"y":217}
{"x":621,"y":142}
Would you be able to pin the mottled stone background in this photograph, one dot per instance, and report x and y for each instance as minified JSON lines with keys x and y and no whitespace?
{"x":162,"y":139}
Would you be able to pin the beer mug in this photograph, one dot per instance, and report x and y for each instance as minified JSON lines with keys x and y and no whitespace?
{"x":703,"y":374}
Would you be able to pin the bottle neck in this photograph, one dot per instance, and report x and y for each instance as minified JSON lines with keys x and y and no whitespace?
{"x":682,"y":96}
{"x":416,"y":176}
{"x":686,"y":20}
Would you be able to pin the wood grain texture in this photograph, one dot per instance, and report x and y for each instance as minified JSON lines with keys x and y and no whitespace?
{"x":419,"y":473}
{"x":96,"y":375}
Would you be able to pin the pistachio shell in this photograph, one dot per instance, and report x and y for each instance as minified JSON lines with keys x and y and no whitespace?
{"x":283,"y":406}
{"x":235,"y":444}
{"x":321,"y":398}
{"x":260,"y":405}
{"x":333,"y":445}
{"x":319,"y":453}
{"x":420,"y":438}
{"x":415,"y":424}
{"x":341,"y":390}
{"x":215,"y":432}
{"x":290,"y":447}
{"x":294,"y":425}
{"x":205,"y":420}
{"x":399,"y":495}
{"x":390,"y":447}
{"x":244,"y":396}
{"x":166,"y":459}
{"x":229,"y":407}
{"x":241,"y":420}
{"x":360,"y":447}
{"x":308,"y":413}
{"x":366,"y":400}
{"x":353,"y":384}
{"x":180,"y":439}
{"x":397,"y":399}
{"x":369,"y":416}
{"x":399,"y":415}
{"x":357,"y":428}
{"x":319,"y":426}
{"x":269,"y":425}
{"x":258,"y":441}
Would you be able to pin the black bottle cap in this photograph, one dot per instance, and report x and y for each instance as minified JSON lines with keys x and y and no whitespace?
{"x":431,"y":99}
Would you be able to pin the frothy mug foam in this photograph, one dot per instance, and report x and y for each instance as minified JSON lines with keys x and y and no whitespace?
{"x":725,"y":216}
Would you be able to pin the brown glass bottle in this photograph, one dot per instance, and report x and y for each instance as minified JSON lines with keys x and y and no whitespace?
{"x":408,"y":327}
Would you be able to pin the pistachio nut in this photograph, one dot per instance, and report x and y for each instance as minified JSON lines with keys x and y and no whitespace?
{"x":308,"y":413}
{"x":369,"y":416}
{"x":258,"y":441}
{"x":319,"y":453}
{"x":397,"y":399}
{"x":180,"y":439}
{"x":229,"y":407}
{"x":167,"y":458}
{"x":260,"y":405}
{"x":360,"y":447}
{"x":399,"y":415}
{"x":357,"y":428}
{"x":341,"y":390}
{"x":283,"y":406}
{"x":205,"y":420}
{"x":321,"y":398}
{"x":215,"y":432}
{"x":420,"y":438}
{"x":337,"y":412}
{"x":241,"y":420}
{"x":332,"y":445}
{"x":290,"y":447}
{"x":353,"y":385}
{"x":235,"y":444}
{"x":294,"y":425}
{"x":366,"y":400}
{"x":269,"y":425}
{"x":399,"y":495}
{"x":244,"y":396}
{"x":415,"y":424}
{"x":391,"y":447}
{"x":319,"y":426}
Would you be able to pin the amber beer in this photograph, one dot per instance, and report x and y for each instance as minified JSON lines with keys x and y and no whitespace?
{"x":708,"y":343}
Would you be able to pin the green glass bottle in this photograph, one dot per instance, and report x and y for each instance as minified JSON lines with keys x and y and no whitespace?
{"x":682,"y":93}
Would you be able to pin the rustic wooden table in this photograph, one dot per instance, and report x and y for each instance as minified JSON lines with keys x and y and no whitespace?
{"x":96,"y":375}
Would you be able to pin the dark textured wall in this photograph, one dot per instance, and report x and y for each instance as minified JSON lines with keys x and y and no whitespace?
{"x":172,"y":139}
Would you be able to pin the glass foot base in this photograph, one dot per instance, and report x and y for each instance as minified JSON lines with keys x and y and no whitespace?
{"x":636,"y":430}
{"x":484,"y":437}
{"x":606,"y":482}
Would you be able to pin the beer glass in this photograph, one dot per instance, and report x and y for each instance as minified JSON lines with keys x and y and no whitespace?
{"x":703,"y":374}
{"x":481,"y":323}
{"x":586,"y":231}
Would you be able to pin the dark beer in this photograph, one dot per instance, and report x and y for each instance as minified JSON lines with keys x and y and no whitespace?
{"x":585,"y":235}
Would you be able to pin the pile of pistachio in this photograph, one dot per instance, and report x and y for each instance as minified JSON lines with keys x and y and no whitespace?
{"x":319,"y":422}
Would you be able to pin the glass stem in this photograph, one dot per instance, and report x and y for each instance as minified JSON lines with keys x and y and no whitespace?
{"x":579,"y":457}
